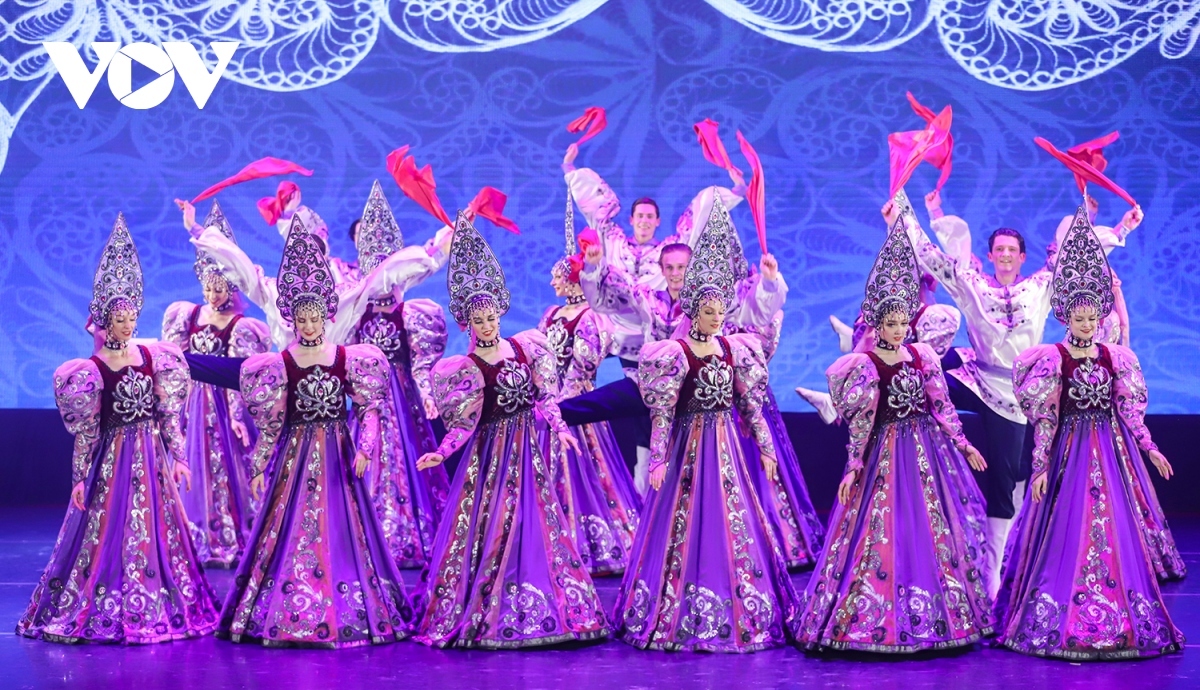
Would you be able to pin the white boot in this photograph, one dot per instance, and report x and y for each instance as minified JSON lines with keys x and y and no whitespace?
{"x":997,"y":538}
{"x":844,"y":333}
{"x":822,"y":402}
{"x":641,"y":472}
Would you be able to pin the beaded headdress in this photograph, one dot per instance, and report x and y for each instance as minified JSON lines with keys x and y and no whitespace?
{"x":378,"y":235}
{"x":563,"y":265}
{"x":709,"y":273}
{"x":304,"y":275}
{"x":206,"y":265}
{"x":118,"y":281}
{"x":1081,"y":273}
{"x":894,"y":284}
{"x":473,"y":276}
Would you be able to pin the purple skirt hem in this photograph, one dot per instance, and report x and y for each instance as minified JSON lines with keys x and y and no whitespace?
{"x":827,"y":644}
{"x":126,"y":641}
{"x":1095,"y":655}
{"x":297,"y":644}
{"x":515,"y":644}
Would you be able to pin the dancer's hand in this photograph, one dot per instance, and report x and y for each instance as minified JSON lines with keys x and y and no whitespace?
{"x":568,"y":163}
{"x":933,"y":204}
{"x":241,"y":432}
{"x":592,"y":255}
{"x":361,"y":463}
{"x":1132,"y":218}
{"x":430,"y":460}
{"x":770,"y":465}
{"x":189,"y":213}
{"x":1038,"y":490}
{"x":769,"y":267}
{"x":975,"y":460}
{"x":657,"y":475}
{"x":77,"y":492}
{"x":1161,"y":464}
{"x":183,"y":476}
{"x":846,"y":485}
{"x":256,"y":487}
{"x":431,"y":410}
{"x":890,"y":213}
{"x":566,"y":438}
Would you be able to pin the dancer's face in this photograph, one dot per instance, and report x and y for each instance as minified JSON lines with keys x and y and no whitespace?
{"x":563,"y":287}
{"x":645,"y":221}
{"x":894,"y":328}
{"x":1084,"y":322}
{"x":121,"y":325}
{"x":711,"y":318}
{"x":1006,"y":255}
{"x":216,"y":293}
{"x":674,"y":266}
{"x":485,"y":324}
{"x":310,"y":324}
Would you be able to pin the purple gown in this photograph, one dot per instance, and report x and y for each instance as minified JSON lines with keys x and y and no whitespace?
{"x":901,"y":570}
{"x":218,"y":504}
{"x":317,"y":571}
{"x":1079,"y":582}
{"x":123,"y":570}
{"x":595,"y":487}
{"x":409,"y":502}
{"x":505,"y":572}
{"x":706,"y":572}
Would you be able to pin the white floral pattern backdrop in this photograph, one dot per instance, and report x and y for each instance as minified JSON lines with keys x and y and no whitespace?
{"x":482,"y":90}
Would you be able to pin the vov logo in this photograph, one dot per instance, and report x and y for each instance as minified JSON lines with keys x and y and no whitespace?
{"x":166,"y":60}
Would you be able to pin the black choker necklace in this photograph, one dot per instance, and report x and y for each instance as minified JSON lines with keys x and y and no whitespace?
{"x":318,"y":342}
{"x":575,"y":299}
{"x":1079,"y":343}
{"x":885,"y":345}
{"x":225,"y":306}
{"x":116,"y":345}
{"x":384,"y":302}
{"x":483,"y":344}
{"x":698,"y":336}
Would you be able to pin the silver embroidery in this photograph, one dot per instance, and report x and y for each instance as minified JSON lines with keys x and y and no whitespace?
{"x":319,"y":395}
{"x":133,"y":396}
{"x":714,"y":385}
{"x":382,"y":333}
{"x":514,"y":387}
{"x":1091,"y":386}
{"x":206,"y":342}
{"x":906,"y":392}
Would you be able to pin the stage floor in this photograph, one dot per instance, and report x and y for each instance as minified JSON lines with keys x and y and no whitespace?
{"x":28,"y":535}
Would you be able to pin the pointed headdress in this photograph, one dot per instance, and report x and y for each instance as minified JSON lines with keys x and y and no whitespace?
{"x":474,"y":278}
{"x":1082,"y":276}
{"x":894,"y":284}
{"x":118,"y":282}
{"x":710,"y":273}
{"x":207,"y":267}
{"x":304,"y":275}
{"x":378,"y":234}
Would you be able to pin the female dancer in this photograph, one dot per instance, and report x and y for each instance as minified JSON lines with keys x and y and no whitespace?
{"x":595,"y":486}
{"x":317,"y":571}
{"x":1079,"y":582}
{"x":123,"y":569}
{"x":412,"y":335}
{"x":216,"y":426}
{"x":901,"y":568}
{"x":505,"y":570}
{"x":706,"y":572}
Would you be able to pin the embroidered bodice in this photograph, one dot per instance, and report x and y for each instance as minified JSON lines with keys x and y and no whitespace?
{"x":128,"y":395}
{"x":317,"y":393}
{"x":508,"y":385}
{"x":208,"y":339}
{"x":386,"y":331}
{"x":708,"y":384}
{"x":560,"y":338}
{"x":1087,"y":383}
{"x":901,"y":388}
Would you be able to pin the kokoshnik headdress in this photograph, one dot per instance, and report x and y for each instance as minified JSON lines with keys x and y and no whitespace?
{"x":378,"y":235}
{"x":304,"y":275}
{"x":1082,"y":276}
{"x":474,"y":278}
{"x":710,"y":274}
{"x":894,"y":284}
{"x":206,"y":266}
{"x":563,"y":265}
{"x":118,"y":281}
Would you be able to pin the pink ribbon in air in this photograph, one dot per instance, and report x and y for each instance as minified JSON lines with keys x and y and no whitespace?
{"x":263,"y":167}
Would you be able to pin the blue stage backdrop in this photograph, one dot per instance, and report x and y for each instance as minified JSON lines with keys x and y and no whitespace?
{"x":482,"y":91}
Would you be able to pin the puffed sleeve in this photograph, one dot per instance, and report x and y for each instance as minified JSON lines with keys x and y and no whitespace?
{"x":662,"y":367}
{"x":769,"y":334}
{"x":458,"y":391}
{"x":404,"y":269}
{"x":757,"y":301}
{"x":937,"y":327}
{"x":425,"y":323}
{"x":264,"y":390}
{"x":368,"y":371}
{"x":593,"y":340}
{"x":544,"y":367}
{"x":1037,"y":383}
{"x":750,"y":386}
{"x":77,"y":392}
{"x":172,"y":382}
{"x":248,"y":277}
{"x":854,"y":388}
{"x":1130,"y":394}
{"x":610,"y":290}
{"x":175,"y":324}
{"x":595,"y":199}
{"x":938,"y":394}
{"x":249,"y":337}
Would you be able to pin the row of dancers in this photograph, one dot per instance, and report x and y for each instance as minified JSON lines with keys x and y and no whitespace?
{"x":259,"y":463}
